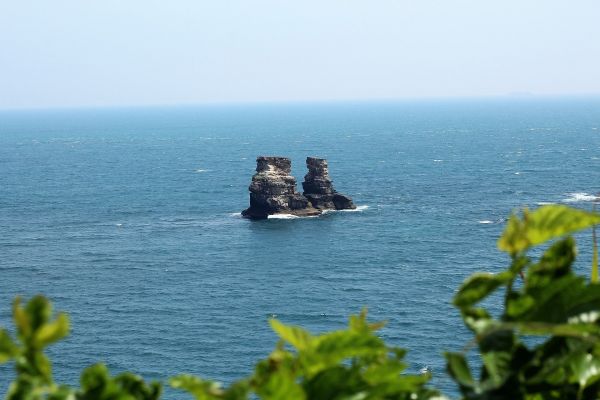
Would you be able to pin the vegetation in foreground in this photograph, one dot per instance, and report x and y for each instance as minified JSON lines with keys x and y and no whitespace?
{"x":542,"y":298}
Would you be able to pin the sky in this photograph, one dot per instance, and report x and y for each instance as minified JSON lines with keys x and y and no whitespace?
{"x":82,"y":53}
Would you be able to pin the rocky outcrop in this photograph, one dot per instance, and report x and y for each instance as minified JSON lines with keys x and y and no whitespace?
{"x":273,"y":191}
{"x":318,"y":187}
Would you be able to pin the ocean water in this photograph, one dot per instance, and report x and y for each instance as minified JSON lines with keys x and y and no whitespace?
{"x":128,"y":219}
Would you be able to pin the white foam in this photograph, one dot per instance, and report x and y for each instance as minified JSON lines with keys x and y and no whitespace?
{"x":199,"y":171}
{"x":517,"y":173}
{"x":282,"y":216}
{"x":438,"y":160}
{"x":485,"y":221}
{"x":236,"y":215}
{"x":544,"y":203}
{"x":357,"y":209}
{"x":579,"y":197}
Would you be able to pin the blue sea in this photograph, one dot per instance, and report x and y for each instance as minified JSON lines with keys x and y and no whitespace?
{"x":128,"y":219}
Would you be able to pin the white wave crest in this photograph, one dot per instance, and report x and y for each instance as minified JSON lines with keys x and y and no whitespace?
{"x":485,"y":221}
{"x":579,"y":197}
{"x":282,"y":216}
{"x":357,"y":209}
{"x":199,"y":171}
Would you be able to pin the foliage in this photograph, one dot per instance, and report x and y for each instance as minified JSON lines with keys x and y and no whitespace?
{"x":35,"y":330}
{"x":346,"y":364}
{"x":552,"y":303}
{"x":545,"y":345}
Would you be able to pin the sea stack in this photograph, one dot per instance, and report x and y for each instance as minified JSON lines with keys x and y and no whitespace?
{"x":273,"y":191}
{"x":318,"y":187}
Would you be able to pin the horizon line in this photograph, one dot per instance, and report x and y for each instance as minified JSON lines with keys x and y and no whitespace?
{"x":507,"y":96}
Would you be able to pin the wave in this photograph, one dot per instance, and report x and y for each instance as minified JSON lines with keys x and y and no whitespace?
{"x":282,"y":216}
{"x":357,"y":209}
{"x":291,"y":216}
{"x":199,"y":171}
{"x":485,"y":221}
{"x":580,"y":197}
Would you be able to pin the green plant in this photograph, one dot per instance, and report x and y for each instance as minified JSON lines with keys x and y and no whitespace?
{"x":552,"y":303}
{"x":35,"y":330}
{"x":348,"y":364}
{"x":545,"y":345}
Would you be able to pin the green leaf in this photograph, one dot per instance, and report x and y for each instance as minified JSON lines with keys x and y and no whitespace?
{"x":39,"y":310}
{"x":586,"y":370}
{"x":497,"y":366}
{"x":478,"y":286}
{"x":359,"y":323}
{"x":385,"y":372}
{"x":134,"y":385}
{"x":43,"y":366}
{"x":281,"y":385}
{"x":545,"y":223}
{"x":294,"y":335}
{"x":497,"y":348}
{"x":338,"y":382}
{"x":555,"y":302}
{"x":94,"y":378}
{"x":459,"y":369}
{"x":477,"y":319}
{"x":8,"y":349}
{"x":554,"y":263}
{"x":199,"y":388}
{"x":51,"y":332}
{"x":97,"y":384}
{"x":62,"y":392}
{"x":334,"y":347}
{"x":21,"y":319}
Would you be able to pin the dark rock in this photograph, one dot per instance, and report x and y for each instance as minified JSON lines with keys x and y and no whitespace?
{"x":343,"y":202}
{"x":273,"y":191}
{"x":318,"y":187}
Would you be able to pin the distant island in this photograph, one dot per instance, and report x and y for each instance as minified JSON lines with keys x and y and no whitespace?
{"x":273,"y":190}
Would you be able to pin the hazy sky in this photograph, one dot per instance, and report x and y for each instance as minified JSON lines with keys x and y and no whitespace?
{"x":136,"y":52}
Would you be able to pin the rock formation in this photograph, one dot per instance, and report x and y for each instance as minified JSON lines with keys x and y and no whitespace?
{"x":318,"y":187}
{"x":273,"y":191}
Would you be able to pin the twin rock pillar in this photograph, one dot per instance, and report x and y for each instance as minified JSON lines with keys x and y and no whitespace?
{"x":273,"y":190}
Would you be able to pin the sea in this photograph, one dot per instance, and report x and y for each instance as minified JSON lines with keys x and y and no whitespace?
{"x":128,"y":219}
